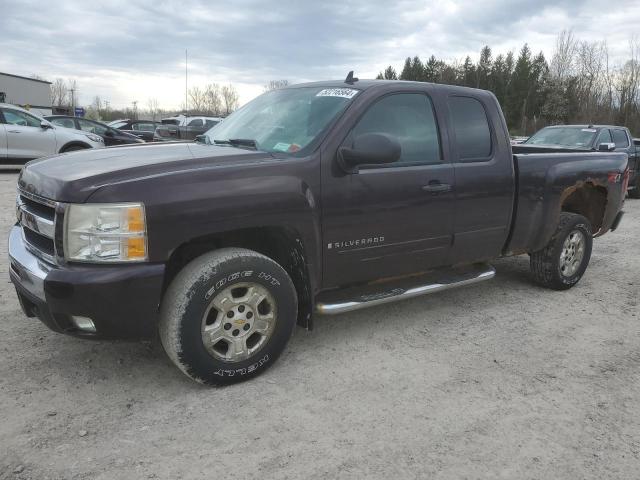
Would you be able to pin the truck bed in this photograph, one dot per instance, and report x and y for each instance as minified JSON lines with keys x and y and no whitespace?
{"x":544,"y":181}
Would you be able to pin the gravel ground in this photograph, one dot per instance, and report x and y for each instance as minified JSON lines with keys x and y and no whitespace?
{"x":499,"y":380}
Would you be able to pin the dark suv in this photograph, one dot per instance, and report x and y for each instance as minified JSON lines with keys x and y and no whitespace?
{"x":110,"y":135}
{"x":143,"y":129}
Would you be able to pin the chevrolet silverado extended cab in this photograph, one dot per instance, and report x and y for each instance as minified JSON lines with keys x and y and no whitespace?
{"x":316,"y":198}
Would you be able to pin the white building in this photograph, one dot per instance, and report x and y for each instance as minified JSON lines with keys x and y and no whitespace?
{"x":26,"y":92}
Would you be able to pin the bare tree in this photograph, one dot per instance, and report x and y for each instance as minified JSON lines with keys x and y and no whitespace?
{"x":213,"y":99}
{"x":230,"y":98}
{"x":59,"y":93}
{"x":153,"y":108}
{"x":196,"y":99}
{"x":275,"y":85}
{"x":562,"y":60}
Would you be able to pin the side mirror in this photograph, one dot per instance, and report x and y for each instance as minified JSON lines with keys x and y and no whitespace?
{"x":45,"y":125}
{"x":370,"y":149}
{"x":202,"y":139}
{"x":606,"y":147}
{"x":109,"y":133}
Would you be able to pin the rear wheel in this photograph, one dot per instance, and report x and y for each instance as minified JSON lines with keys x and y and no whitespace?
{"x":227,"y":316}
{"x":561,"y":264}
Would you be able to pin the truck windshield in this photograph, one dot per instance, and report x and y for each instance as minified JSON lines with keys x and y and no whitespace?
{"x":577,"y":137}
{"x":285,"y":120}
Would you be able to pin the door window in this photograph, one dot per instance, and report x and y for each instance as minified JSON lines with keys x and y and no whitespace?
{"x":409,"y":118}
{"x":620,"y":138}
{"x":471,"y":129}
{"x":64,"y":122}
{"x":16,"y":117}
{"x":196,"y":123}
{"x":604,"y":137}
{"x":92,"y":127}
{"x":144,"y":127}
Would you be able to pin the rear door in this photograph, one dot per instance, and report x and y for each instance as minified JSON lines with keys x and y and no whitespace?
{"x":484,"y":176}
{"x":26,"y":139}
{"x":394,"y":219}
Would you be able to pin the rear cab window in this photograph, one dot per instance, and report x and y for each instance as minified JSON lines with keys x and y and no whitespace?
{"x":471,"y":130}
{"x":620,"y":138}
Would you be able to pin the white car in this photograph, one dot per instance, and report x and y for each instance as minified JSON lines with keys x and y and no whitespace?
{"x":25,"y":136}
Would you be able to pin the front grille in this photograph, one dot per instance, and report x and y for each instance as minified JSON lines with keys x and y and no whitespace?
{"x":37,"y":218}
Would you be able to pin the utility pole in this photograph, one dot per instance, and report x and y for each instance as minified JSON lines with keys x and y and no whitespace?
{"x":186,"y":99}
{"x":73,"y":103}
{"x":135,"y":109}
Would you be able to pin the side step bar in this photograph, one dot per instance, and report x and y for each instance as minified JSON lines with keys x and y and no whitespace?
{"x":380,"y":293}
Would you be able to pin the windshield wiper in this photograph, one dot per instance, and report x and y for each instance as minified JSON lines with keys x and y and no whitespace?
{"x":238,"y":142}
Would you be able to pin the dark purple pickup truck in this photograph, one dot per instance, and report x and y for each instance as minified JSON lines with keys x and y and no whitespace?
{"x":317,"y":198}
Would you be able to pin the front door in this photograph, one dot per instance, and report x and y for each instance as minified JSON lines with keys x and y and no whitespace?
{"x":394,"y":219}
{"x":25,"y":137}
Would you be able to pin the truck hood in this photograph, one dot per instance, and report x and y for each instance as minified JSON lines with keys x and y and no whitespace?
{"x":74,"y":176}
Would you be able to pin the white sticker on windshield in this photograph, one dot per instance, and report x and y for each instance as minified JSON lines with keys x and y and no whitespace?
{"x":337,"y":92}
{"x":281,"y":147}
{"x":592,"y":130}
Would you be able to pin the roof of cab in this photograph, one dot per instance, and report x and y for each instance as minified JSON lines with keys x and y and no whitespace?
{"x":368,"y":83}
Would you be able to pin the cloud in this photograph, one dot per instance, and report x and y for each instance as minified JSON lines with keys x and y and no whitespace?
{"x":125,"y":51}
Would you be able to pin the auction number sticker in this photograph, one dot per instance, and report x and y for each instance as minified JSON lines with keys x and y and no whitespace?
{"x":338,"y":92}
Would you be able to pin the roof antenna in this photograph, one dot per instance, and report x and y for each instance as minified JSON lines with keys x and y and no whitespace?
{"x":350,"y":79}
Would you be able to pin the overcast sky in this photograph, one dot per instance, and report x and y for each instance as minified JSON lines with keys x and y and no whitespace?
{"x":134,"y":50}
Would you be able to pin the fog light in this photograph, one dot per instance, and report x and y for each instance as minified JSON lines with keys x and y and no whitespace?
{"x":84,"y":323}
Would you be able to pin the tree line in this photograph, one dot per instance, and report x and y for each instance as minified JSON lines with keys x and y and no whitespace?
{"x":212,"y":99}
{"x":578,"y":85}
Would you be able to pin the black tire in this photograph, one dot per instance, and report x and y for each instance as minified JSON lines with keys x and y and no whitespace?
{"x":191,"y":293}
{"x":546,"y":264}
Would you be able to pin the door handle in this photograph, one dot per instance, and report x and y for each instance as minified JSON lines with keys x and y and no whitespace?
{"x":15,"y":131}
{"x":437,"y":187}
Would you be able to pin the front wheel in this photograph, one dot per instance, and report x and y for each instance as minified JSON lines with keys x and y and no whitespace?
{"x":561,"y":264}
{"x":227,"y":316}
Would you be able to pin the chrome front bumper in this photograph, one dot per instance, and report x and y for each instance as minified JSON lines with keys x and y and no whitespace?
{"x":26,"y":270}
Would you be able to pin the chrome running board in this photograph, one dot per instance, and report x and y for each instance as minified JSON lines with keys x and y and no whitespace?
{"x":373,"y":294}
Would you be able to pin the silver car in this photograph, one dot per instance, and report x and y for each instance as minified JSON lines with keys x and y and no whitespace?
{"x":25,"y":136}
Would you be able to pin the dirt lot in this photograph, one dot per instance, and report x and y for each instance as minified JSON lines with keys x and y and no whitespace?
{"x":499,"y":380}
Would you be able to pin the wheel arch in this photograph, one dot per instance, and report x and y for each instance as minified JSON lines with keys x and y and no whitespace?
{"x":73,"y":143}
{"x":587,"y":199}
{"x":283,"y":245}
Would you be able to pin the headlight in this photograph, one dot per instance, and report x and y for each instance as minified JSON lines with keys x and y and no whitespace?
{"x":94,"y":138}
{"x":105,"y":232}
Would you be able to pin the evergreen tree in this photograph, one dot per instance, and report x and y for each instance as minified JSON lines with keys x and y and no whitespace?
{"x":407,"y":72}
{"x":518,"y":90}
{"x":484,"y":68}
